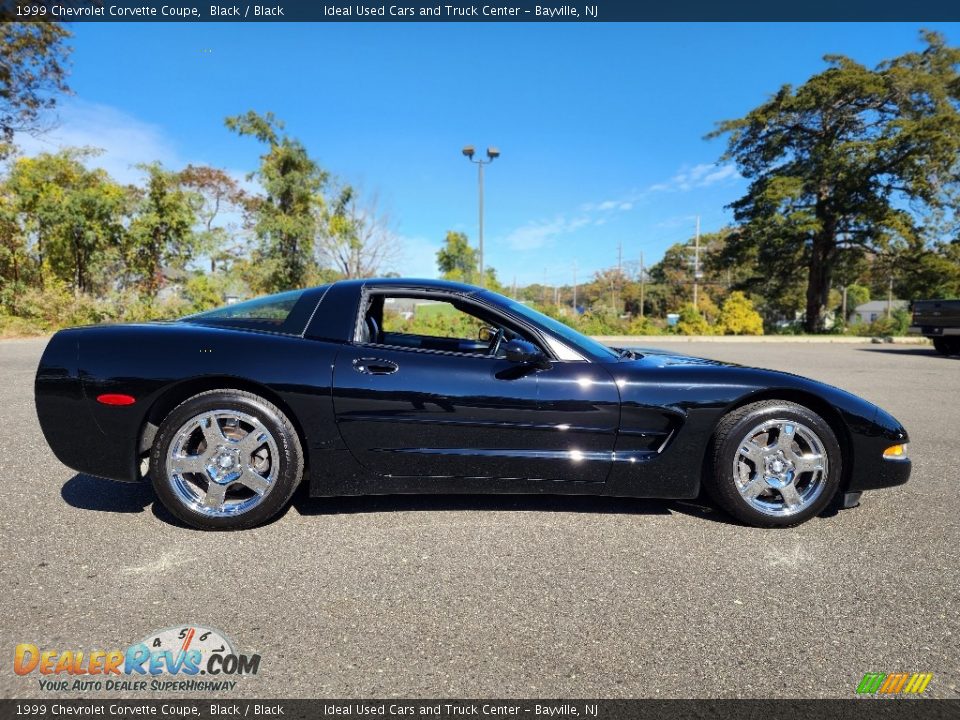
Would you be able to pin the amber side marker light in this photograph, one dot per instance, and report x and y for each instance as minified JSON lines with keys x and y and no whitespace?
{"x":116,"y":399}
{"x":896,"y":451}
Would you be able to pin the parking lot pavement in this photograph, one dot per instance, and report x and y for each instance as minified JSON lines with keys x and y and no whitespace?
{"x":508,"y":596}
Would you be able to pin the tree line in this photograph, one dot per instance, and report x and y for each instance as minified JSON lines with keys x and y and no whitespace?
{"x":853,"y":193}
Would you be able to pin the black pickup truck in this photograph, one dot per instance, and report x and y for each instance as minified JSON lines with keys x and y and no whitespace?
{"x":938,"y":320}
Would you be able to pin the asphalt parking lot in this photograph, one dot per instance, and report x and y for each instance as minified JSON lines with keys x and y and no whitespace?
{"x":507,"y":596}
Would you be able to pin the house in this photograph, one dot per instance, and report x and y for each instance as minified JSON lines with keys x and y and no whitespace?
{"x":875,"y":310}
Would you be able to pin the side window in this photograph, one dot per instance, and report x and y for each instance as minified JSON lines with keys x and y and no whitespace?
{"x":429,"y":318}
{"x":434,"y":324}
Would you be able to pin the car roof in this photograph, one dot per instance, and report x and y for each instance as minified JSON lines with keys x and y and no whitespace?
{"x":411,"y":283}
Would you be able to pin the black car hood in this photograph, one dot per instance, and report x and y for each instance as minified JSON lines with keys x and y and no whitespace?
{"x":664,"y":358}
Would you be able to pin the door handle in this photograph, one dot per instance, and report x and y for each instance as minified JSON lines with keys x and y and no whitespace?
{"x":375,"y":366}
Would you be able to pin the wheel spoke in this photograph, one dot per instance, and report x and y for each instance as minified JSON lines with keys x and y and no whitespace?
{"x":756,"y":486}
{"x":809,"y":463}
{"x":753,"y":452}
{"x":189,"y":464}
{"x":791,"y":498}
{"x":215,"y":496}
{"x":785,"y":436}
{"x":212,"y":431}
{"x":254,"y":481}
{"x":253,"y":440}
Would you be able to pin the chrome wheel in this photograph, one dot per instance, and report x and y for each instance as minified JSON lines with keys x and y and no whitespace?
{"x":222,"y":463}
{"x":781,"y":467}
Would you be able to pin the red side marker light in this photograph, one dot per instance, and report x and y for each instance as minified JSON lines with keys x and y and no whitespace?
{"x":116,"y":399}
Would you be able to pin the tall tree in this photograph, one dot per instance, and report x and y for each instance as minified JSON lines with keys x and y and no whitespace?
{"x":70,"y":216}
{"x":162,"y":232}
{"x":457,"y":259}
{"x":220,"y":204}
{"x":355,"y":237}
{"x":853,"y":160}
{"x":14,"y":260}
{"x":286,"y":216}
{"x":33,"y":61}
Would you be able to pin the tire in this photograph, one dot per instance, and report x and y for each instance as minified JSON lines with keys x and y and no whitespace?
{"x":774,"y":464}
{"x":946,"y":346}
{"x":226,"y":460}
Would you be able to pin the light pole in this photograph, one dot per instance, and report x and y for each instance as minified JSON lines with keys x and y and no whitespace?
{"x":492,"y":154}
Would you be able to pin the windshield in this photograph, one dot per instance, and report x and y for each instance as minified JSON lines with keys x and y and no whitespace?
{"x":564,"y":332}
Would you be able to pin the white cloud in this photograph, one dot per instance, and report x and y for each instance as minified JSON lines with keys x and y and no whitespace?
{"x":125,"y":140}
{"x":620,"y":204}
{"x":698,"y":176}
{"x":535,"y":235}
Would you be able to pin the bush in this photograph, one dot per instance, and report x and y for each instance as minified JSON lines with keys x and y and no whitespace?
{"x":12,"y":327}
{"x":895,"y":325}
{"x":57,"y":306}
{"x":643,"y":326}
{"x":600,"y":322}
{"x":691,"y":322}
{"x":738,"y":316}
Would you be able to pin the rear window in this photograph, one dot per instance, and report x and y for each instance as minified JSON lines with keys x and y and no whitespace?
{"x":285,"y":312}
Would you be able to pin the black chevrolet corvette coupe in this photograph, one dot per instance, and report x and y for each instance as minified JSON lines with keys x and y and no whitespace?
{"x":420,"y":386}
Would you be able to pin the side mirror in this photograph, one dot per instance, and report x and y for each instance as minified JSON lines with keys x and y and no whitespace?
{"x":521,"y":351}
{"x":486,"y":334}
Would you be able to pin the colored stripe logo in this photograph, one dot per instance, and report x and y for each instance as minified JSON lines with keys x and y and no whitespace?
{"x":894,"y":683}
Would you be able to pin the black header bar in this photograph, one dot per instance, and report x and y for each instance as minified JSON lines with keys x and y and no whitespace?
{"x":590,"y":11}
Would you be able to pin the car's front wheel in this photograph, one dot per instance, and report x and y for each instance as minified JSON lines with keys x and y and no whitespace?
{"x":226,"y":460}
{"x":775,"y":464}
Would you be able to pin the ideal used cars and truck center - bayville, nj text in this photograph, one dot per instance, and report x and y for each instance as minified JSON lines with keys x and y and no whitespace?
{"x":66,"y":12}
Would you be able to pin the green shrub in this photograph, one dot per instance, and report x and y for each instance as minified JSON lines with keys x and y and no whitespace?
{"x":895,"y":325}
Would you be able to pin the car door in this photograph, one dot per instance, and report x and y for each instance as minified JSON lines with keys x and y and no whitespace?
{"x":412,"y":412}
{"x":407,"y":411}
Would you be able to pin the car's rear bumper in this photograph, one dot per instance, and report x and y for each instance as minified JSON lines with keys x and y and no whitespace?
{"x":933,"y":331}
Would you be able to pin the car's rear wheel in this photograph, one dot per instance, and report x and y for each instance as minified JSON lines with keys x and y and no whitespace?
{"x":226,"y":460}
{"x":775,"y":464}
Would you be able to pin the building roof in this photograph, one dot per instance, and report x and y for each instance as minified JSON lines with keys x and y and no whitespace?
{"x":880,"y":305}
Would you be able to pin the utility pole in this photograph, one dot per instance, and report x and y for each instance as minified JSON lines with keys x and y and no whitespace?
{"x":696,"y":265}
{"x":844,"y":310}
{"x":642,"y":283}
{"x":575,"y":288}
{"x":556,"y":295}
{"x":514,"y":295}
{"x":890,"y":298}
{"x":619,"y":276}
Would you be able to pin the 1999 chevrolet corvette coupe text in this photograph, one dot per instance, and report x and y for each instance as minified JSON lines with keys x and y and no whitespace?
{"x":348,"y":386}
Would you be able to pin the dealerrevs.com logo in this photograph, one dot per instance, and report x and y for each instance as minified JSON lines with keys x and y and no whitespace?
{"x":177,"y":659}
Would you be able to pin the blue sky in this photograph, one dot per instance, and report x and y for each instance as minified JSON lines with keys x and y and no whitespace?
{"x":600,"y":126}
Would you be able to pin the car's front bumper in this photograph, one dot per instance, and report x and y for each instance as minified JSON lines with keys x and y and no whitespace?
{"x":885,"y":473}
